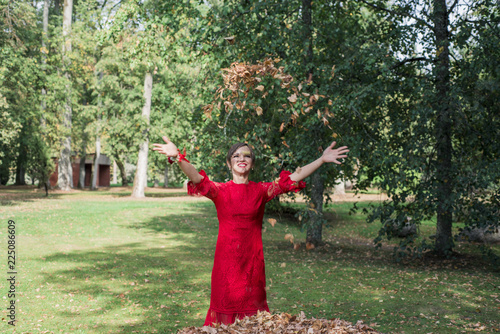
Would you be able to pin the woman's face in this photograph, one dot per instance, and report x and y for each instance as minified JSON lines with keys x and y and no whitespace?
{"x":241,"y":161}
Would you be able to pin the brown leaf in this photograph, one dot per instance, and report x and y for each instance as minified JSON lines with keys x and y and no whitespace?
{"x":259,"y":111}
{"x":309,"y":246}
{"x":260,"y":88}
{"x":289,"y":237}
{"x":292,"y":98}
{"x":282,"y":127}
{"x":272,"y":221}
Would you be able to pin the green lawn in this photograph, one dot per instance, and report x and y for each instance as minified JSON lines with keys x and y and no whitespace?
{"x":101,"y":262}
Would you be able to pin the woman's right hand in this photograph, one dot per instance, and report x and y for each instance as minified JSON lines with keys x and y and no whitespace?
{"x":169,"y":148}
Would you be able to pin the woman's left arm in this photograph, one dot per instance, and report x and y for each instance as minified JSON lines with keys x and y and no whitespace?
{"x":329,"y":155}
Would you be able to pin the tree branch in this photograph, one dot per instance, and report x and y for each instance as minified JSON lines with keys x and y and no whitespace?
{"x":397,"y":13}
{"x":452,"y":7}
{"x":410,"y":60}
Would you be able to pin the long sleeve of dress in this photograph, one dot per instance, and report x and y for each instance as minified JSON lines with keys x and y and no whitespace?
{"x":205,"y":188}
{"x":282,"y":185}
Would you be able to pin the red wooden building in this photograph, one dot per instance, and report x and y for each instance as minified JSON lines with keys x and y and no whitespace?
{"x":103,"y":171}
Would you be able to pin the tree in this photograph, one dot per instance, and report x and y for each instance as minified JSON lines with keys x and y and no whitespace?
{"x":140,"y":180}
{"x":65,"y":173}
{"x":317,"y":44}
{"x":422,"y":150}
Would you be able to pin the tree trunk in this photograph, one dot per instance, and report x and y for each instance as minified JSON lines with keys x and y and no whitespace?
{"x":21,"y":161}
{"x":81,"y":178}
{"x":165,"y":175}
{"x":20,"y":174}
{"x":96,"y":161}
{"x":123,"y":172}
{"x":97,"y":139}
{"x":65,"y":179}
{"x":115,"y":172}
{"x":315,"y":227}
{"x":141,"y":173}
{"x":45,"y":36}
{"x":83,"y":156}
{"x":57,"y":6}
{"x":444,"y":173}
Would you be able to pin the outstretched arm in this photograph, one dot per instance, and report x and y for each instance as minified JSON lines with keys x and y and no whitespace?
{"x":329,"y":155}
{"x":170,"y":150}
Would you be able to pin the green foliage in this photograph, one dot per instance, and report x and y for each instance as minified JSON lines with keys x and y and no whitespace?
{"x":404,"y":155}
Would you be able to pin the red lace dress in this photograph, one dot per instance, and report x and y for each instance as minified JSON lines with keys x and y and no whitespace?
{"x":238,"y":275}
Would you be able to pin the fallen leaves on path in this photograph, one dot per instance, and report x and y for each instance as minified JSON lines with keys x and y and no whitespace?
{"x":266,"y":323}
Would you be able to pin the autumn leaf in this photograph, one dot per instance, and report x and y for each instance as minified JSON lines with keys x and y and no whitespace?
{"x":292,"y":98}
{"x":260,"y":88}
{"x":272,"y":221}
{"x":259,"y":111}
{"x":289,"y":237}
{"x":309,"y":246}
{"x":282,"y":126}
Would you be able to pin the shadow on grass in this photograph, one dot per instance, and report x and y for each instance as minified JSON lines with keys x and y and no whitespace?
{"x":13,"y":195}
{"x":146,"y":289}
{"x":160,"y":288}
{"x":150,"y":288}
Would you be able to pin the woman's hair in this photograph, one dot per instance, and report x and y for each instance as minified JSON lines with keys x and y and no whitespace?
{"x":235,"y":147}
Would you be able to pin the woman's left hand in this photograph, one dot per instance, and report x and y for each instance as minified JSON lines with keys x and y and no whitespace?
{"x":332,"y":155}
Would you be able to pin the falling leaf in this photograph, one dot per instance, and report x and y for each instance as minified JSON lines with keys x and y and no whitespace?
{"x":272,"y":221}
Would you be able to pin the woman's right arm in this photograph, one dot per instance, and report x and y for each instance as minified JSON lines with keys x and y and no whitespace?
{"x":170,"y":150}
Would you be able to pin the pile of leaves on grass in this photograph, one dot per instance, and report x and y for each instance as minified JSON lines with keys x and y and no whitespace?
{"x":267,"y":323}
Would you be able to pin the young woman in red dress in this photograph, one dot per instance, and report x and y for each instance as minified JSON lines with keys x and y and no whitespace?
{"x":238,"y":276}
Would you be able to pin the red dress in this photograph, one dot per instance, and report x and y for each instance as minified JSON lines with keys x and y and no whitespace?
{"x":238,"y":286}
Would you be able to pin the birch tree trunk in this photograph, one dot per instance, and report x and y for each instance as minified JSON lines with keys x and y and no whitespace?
{"x":141,"y":173}
{"x":65,"y":176}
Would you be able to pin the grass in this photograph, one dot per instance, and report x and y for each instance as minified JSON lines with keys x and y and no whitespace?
{"x":101,"y":262}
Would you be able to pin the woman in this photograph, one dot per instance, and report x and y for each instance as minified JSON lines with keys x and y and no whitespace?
{"x":238,"y":276}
